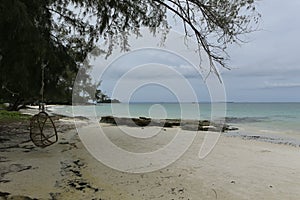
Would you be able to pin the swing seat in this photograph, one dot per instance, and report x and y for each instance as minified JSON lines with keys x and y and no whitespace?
{"x":42,"y":130}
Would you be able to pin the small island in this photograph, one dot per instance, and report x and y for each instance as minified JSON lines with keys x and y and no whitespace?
{"x":103,"y":98}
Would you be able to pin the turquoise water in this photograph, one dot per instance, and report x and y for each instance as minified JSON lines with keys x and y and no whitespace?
{"x":259,"y":118}
{"x":267,"y":119}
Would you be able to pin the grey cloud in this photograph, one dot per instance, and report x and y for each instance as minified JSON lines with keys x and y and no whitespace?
{"x":281,"y":85}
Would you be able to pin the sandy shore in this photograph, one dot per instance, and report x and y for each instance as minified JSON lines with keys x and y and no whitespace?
{"x":235,"y":169}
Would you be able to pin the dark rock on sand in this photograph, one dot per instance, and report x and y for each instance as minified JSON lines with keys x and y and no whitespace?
{"x":192,"y":125}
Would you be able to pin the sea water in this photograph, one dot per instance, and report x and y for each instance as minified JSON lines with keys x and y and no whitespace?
{"x":268,"y":119}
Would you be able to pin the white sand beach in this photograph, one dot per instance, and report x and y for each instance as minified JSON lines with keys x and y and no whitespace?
{"x":235,"y":169}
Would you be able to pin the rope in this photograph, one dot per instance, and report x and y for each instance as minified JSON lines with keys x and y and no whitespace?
{"x":42,"y":104}
{"x":43,"y":82}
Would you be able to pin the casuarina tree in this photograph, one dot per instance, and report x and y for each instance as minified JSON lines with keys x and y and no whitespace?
{"x":53,"y":37}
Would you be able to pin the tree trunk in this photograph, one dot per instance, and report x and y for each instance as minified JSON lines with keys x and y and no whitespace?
{"x":17,"y":105}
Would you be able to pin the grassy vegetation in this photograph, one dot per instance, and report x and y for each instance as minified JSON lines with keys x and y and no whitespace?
{"x":10,"y":116}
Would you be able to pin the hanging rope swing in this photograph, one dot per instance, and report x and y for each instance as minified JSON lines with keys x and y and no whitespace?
{"x":42,"y":128}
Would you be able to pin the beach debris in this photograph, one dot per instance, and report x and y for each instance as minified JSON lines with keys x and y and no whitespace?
{"x":71,"y":170}
{"x":4,"y":194}
{"x":275,"y":139}
{"x":13,"y":134}
{"x":177,"y":191}
{"x":12,"y":168}
{"x":216,"y":194}
{"x":20,"y":197}
{"x":3,"y":159}
{"x":181,"y":190}
{"x":18,"y":168}
{"x":54,"y":195}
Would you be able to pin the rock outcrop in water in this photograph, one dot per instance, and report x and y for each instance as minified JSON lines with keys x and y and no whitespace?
{"x":192,"y":125}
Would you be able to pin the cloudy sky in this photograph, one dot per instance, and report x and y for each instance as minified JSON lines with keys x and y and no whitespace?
{"x":266,"y":69}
